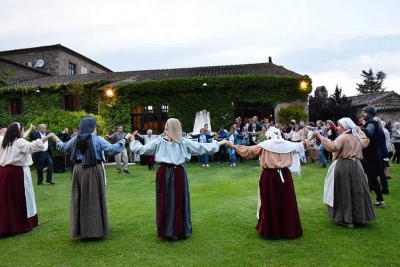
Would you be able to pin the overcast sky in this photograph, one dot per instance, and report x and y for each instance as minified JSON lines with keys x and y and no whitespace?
{"x":331,"y":41}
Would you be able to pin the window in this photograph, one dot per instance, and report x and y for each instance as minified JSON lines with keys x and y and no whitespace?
{"x":84,"y":70}
{"x":149,"y":117}
{"x":15,"y":106}
{"x":71,"y":69}
{"x":71,"y":103}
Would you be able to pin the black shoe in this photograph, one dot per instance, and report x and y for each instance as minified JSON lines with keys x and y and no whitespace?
{"x":388,"y":177}
{"x":385,"y":192}
{"x":126,"y":171}
{"x":39,"y":183}
{"x":119,"y":171}
{"x":51,"y":182}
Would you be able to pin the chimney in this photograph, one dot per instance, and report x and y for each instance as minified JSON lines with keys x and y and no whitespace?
{"x":269,"y":59}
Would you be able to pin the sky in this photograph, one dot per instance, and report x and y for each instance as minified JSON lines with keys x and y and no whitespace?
{"x":331,"y":41}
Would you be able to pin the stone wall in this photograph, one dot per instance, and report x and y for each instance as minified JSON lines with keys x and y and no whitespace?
{"x":65,"y":59}
{"x":385,"y":115}
{"x":20,"y":73}
{"x":56,"y":61}
{"x":50,"y":59}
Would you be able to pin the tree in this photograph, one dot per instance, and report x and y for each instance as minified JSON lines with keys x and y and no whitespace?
{"x":292,"y":112}
{"x":317,"y":105}
{"x":371,"y":83}
{"x":340,"y":106}
{"x":334,"y":107}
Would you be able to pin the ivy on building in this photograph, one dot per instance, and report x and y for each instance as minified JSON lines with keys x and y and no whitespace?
{"x":183,"y":96}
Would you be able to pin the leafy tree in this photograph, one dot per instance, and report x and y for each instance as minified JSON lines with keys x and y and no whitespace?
{"x":318,"y":105}
{"x":292,"y":112}
{"x":340,"y":106}
{"x":371,"y":83}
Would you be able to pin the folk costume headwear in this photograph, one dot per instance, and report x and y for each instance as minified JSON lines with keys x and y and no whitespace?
{"x":174,"y":130}
{"x":350,"y":127}
{"x":84,"y":142}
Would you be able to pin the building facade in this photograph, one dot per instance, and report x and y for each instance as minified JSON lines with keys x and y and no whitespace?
{"x":54,"y":59}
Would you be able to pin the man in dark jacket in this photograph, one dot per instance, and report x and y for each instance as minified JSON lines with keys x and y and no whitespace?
{"x":371,"y":154}
{"x":43,"y":159}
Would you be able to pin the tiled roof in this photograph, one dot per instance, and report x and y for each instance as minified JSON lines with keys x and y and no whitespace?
{"x":388,"y":100}
{"x":146,"y":75}
{"x":23,"y":66}
{"x":54,"y":47}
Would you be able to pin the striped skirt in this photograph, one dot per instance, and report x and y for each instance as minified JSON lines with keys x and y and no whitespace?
{"x":172,"y":202}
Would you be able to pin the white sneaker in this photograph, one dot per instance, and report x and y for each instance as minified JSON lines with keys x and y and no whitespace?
{"x":234,"y":164}
{"x":231,"y":165}
{"x":380,"y":205}
{"x":207,"y":165}
{"x":204,"y":165}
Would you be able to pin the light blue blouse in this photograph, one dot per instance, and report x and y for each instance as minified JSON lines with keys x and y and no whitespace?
{"x":100,"y":145}
{"x":172,"y":152}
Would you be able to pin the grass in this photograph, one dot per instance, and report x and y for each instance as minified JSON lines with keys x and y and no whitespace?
{"x":223,"y":203}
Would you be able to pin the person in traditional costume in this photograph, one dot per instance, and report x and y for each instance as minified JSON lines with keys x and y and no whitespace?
{"x":17,"y":199}
{"x":173,"y":217}
{"x":346,"y":191}
{"x":278,"y":215}
{"x":88,"y":210}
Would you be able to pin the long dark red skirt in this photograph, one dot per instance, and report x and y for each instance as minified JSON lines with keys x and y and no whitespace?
{"x":278,"y":215}
{"x":13,"y":212}
{"x":172,"y":202}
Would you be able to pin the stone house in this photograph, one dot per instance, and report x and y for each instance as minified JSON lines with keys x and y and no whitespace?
{"x":387,"y":104}
{"x":53,"y":59}
{"x":56,"y":69}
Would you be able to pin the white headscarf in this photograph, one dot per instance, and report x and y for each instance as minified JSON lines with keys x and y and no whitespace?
{"x":273,"y":133}
{"x":174,"y":129}
{"x":350,"y":126}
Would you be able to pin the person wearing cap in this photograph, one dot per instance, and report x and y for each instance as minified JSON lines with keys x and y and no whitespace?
{"x":173,"y":217}
{"x":277,"y":213}
{"x":346,"y":191}
{"x":88,"y":208}
{"x":371,"y":154}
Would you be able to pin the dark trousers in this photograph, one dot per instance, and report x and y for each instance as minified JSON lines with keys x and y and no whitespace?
{"x":396,"y":157}
{"x":43,"y":160}
{"x":223,"y":154}
{"x":375,"y":186}
{"x":150,"y":161}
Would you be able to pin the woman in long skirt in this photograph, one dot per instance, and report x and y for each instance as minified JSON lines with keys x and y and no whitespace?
{"x":172,"y":189}
{"x":278,"y":215}
{"x":88,"y":210}
{"x":346,"y":190}
{"x":17,"y":199}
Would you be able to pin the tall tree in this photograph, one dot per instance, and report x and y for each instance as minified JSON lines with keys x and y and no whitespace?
{"x":371,"y":83}
{"x":340,"y":106}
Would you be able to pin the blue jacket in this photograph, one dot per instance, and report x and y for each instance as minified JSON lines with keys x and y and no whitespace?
{"x":236,"y":137}
{"x":222,"y":134}
{"x":208,"y":137}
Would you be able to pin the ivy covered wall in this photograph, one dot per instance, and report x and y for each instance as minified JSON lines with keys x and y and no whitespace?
{"x":39,"y":101}
{"x":186,"y":96}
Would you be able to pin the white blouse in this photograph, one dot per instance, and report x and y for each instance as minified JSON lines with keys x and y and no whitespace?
{"x":19,"y":154}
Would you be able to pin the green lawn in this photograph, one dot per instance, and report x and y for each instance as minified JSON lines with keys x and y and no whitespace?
{"x":223,"y":202}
